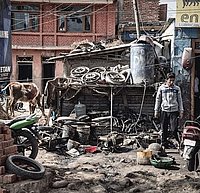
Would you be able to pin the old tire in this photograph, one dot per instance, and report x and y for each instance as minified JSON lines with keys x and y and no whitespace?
{"x":25,"y":142}
{"x":25,"y":167}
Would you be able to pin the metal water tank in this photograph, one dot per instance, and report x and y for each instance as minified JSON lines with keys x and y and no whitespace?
{"x":80,"y":109}
{"x":142,"y":63}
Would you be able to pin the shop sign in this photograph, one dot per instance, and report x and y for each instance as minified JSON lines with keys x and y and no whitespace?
{"x":188,"y":13}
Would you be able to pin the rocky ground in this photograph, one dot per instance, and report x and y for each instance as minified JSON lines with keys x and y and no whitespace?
{"x":107,"y":172}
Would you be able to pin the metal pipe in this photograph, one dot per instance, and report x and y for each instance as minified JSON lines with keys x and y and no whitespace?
{"x":111,"y":108}
{"x":135,"y":10}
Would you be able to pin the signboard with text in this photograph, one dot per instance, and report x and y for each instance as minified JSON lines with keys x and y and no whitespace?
{"x":187,"y":13}
{"x":5,"y":40}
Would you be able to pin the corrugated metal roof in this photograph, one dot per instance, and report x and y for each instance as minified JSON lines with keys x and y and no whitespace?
{"x":92,"y":53}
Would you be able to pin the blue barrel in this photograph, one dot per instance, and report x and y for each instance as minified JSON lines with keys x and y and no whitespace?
{"x":80,"y":109}
{"x":142,"y":63}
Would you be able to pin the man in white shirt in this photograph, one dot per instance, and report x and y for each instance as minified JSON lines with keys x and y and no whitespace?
{"x":170,"y":106}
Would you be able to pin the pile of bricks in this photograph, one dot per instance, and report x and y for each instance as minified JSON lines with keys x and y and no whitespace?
{"x":7,"y":148}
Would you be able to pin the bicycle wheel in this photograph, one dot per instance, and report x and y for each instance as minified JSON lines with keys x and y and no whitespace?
{"x":25,"y":167}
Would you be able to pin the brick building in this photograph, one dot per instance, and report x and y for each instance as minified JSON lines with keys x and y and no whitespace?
{"x":42,"y":29}
{"x":149,"y":20}
{"x":152,"y":17}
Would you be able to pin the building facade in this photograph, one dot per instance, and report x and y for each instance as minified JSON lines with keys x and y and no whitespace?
{"x":184,"y":35}
{"x":151,"y":18}
{"x":43,"y":29}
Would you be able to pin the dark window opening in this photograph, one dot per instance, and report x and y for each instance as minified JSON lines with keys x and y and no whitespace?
{"x":25,"y":18}
{"x":24,"y":77}
{"x":25,"y":72}
{"x":74,"y":19}
{"x":48,"y":72}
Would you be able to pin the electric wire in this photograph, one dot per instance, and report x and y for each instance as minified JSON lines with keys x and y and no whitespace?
{"x":54,"y":13}
{"x":39,"y":16}
{"x":22,"y":29}
{"x":50,"y":20}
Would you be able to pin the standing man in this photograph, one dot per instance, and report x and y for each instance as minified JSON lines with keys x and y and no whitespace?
{"x":169,"y":104}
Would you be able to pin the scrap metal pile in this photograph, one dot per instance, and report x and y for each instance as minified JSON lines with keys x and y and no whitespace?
{"x":99,"y":80}
{"x":83,"y":76}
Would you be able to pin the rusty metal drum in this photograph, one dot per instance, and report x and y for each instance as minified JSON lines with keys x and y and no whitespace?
{"x":142,"y":63}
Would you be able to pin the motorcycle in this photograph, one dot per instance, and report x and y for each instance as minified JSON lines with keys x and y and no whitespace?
{"x":191,"y":143}
{"x":24,"y":134}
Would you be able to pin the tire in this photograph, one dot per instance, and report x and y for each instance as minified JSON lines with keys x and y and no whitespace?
{"x":193,"y":163}
{"x":25,"y":167}
{"x":26,"y":143}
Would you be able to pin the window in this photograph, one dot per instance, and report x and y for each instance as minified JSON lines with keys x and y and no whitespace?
{"x":25,"y":65}
{"x":74,"y":19}
{"x":25,"y":18}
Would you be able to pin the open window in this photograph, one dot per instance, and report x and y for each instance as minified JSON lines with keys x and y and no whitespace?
{"x":74,"y":19}
{"x":25,"y":18}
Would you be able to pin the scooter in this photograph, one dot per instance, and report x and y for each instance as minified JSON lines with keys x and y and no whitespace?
{"x":24,"y":134}
{"x":191,"y":143}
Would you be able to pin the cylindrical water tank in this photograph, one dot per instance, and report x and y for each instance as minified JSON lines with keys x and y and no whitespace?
{"x":142,"y":63}
{"x":80,"y":109}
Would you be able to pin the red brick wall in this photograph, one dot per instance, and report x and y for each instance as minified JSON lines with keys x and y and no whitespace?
{"x":101,"y":20}
{"x":48,"y":40}
{"x":67,"y":40}
{"x":148,"y":11}
{"x":24,"y":39}
{"x":48,"y":18}
{"x":103,"y":26}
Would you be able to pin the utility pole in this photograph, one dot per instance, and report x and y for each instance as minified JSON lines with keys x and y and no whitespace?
{"x":135,"y":10}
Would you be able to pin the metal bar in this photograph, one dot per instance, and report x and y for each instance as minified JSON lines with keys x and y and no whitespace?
{"x":135,"y":10}
{"x":111,"y":109}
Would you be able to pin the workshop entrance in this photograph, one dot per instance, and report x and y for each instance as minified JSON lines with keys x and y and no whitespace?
{"x":48,"y":71}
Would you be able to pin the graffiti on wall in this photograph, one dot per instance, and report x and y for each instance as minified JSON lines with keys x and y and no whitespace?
{"x":187,"y":13}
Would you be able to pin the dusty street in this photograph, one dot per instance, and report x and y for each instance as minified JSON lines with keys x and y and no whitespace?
{"x":106,"y":172}
{"x":117,"y":172}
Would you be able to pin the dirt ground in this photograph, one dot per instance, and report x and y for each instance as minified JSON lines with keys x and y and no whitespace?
{"x":107,"y":172}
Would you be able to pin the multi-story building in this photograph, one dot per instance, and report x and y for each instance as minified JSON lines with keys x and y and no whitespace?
{"x":42,"y":29}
